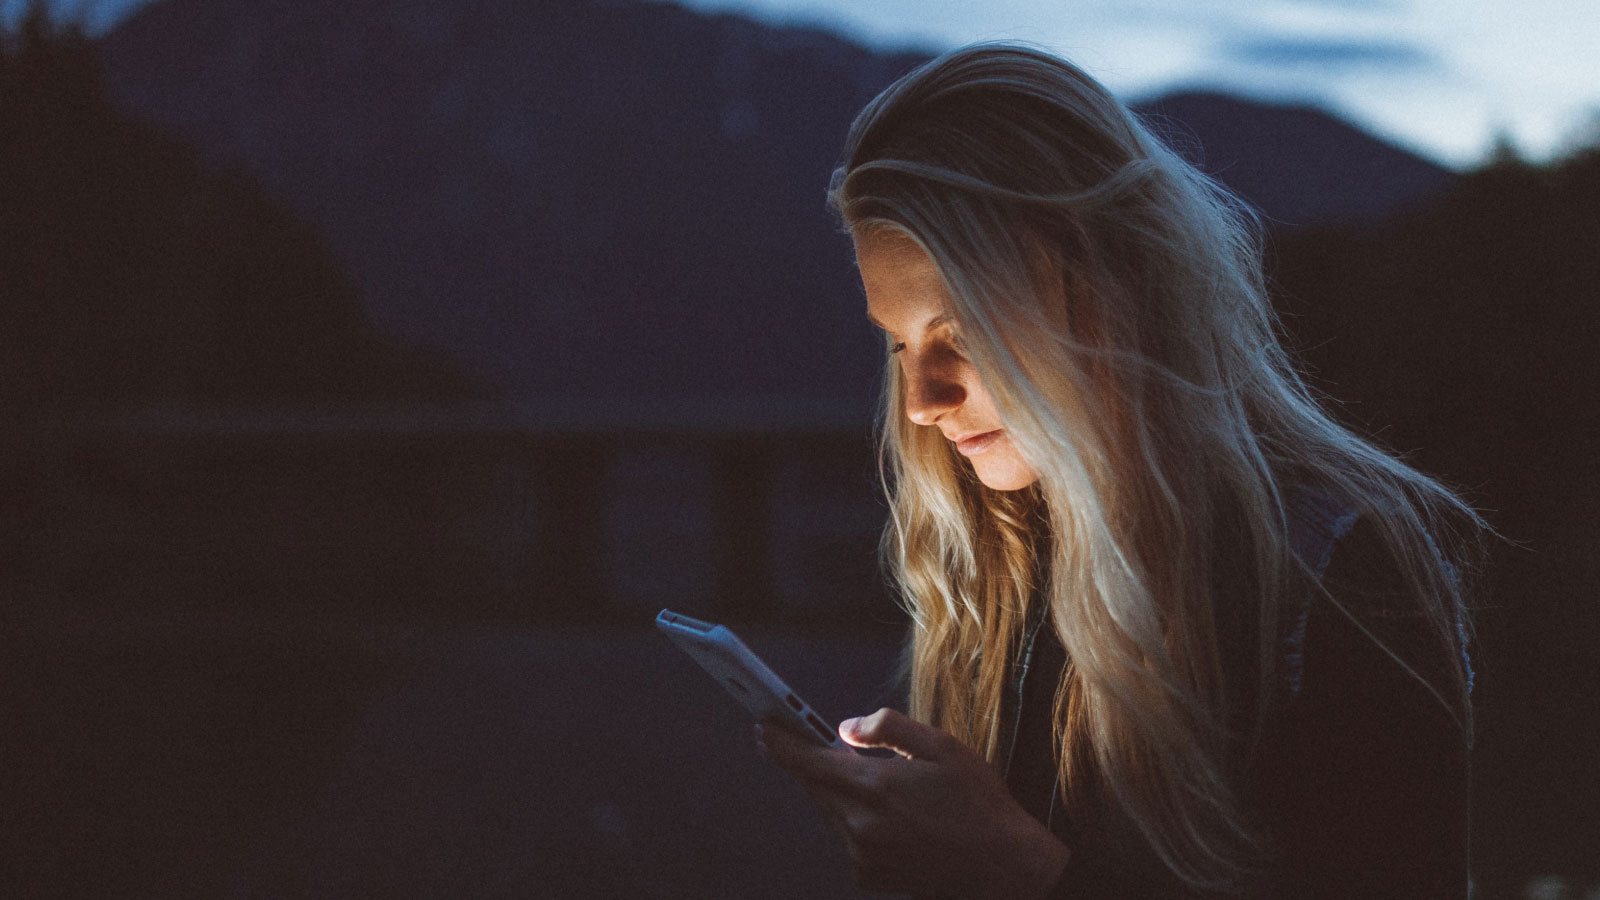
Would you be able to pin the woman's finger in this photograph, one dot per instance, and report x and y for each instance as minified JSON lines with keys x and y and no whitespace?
{"x":896,"y":731}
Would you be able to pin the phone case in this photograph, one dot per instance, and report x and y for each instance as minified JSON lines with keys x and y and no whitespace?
{"x":725,"y":658}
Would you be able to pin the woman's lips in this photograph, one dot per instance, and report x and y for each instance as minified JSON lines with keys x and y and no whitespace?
{"x":978,"y":443}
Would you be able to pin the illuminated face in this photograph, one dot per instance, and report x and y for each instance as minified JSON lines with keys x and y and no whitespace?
{"x":907,"y":299}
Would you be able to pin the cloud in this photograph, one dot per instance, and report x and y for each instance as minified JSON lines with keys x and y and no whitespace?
{"x":96,"y":16}
{"x":1328,"y":53}
{"x":1385,"y":5}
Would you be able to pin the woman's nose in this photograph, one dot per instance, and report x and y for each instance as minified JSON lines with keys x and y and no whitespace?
{"x":931,"y":392}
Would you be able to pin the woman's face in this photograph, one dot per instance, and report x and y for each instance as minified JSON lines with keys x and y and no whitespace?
{"x":907,"y":299}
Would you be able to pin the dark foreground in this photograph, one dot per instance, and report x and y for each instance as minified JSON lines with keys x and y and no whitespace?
{"x":406,"y":764}
{"x":187,"y":759}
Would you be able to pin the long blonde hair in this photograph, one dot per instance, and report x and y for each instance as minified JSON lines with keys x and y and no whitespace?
{"x":1112,"y":300}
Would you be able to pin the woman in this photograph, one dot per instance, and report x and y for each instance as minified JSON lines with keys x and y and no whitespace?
{"x":1176,"y":632}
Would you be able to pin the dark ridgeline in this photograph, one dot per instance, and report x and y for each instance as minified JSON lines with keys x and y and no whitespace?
{"x":1298,"y":165}
{"x":609,"y":215}
{"x":615,"y":202}
{"x":137,"y":276}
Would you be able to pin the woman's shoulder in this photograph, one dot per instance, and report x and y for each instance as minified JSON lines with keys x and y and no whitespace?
{"x":1364,"y":620}
{"x":1318,"y":519}
{"x":1359,"y":555}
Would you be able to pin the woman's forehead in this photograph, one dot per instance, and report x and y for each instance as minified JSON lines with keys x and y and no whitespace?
{"x":901,"y":281}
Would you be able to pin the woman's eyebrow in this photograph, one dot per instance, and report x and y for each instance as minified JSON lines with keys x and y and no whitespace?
{"x":935,"y":322}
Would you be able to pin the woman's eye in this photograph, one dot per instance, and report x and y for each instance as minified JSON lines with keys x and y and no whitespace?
{"x":897,"y":347}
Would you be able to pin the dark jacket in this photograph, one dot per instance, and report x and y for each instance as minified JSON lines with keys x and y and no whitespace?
{"x":1360,"y":776}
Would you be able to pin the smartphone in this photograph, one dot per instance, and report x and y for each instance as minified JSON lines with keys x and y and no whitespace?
{"x":725,"y":658}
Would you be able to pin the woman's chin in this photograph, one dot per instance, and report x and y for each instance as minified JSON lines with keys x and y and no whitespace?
{"x":1004,"y":475}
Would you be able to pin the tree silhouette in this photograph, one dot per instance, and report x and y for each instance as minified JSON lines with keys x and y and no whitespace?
{"x":131,"y":273}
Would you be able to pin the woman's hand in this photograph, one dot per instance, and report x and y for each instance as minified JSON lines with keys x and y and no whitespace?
{"x":936,"y":818}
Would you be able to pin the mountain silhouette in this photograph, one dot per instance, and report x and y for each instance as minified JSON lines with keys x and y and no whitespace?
{"x":1298,"y":165}
{"x":135,"y":276}
{"x":613,"y":209}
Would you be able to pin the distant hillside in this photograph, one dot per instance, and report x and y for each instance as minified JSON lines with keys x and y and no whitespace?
{"x":617,"y":202}
{"x":133,"y":275}
{"x":1298,"y":165}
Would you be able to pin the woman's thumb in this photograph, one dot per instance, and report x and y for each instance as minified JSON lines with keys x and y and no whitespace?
{"x":895,"y":731}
